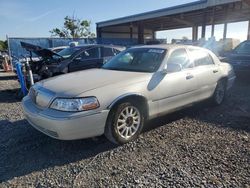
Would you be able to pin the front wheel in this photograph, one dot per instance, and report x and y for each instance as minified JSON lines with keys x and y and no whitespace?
{"x":124,"y":123}
{"x":219,"y":93}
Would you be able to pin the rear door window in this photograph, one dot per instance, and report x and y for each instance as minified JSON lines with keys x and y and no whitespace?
{"x":201,"y":57}
{"x":116,"y":51}
{"x":92,"y":53}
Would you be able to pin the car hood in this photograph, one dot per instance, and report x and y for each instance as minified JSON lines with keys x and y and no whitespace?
{"x":74,"y":84}
{"x":39,"y":51}
{"x":234,"y":56}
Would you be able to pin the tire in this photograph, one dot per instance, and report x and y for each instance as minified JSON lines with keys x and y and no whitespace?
{"x":125,"y":123}
{"x":219,"y":93}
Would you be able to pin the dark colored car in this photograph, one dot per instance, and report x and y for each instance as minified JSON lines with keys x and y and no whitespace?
{"x":49,"y":63}
{"x":86,"y":57}
{"x":239,"y":58}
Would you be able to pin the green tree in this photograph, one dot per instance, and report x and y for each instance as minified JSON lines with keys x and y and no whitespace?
{"x":3,"y":45}
{"x":74,"y":28}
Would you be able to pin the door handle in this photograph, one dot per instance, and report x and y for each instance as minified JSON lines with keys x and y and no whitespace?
{"x":190,"y":76}
{"x":215,"y":71}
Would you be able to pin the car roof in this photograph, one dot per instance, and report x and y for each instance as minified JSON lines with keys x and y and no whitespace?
{"x":96,"y":45}
{"x":167,"y":46}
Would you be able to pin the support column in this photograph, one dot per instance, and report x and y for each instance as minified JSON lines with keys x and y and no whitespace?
{"x":140,"y":33}
{"x":195,"y":33}
{"x":153,"y":35}
{"x":203,"y":26}
{"x":248,"y":33}
{"x":212,"y":30}
{"x":212,"y":23}
{"x":203,"y":30}
{"x":225,"y":24}
{"x":131,"y":31}
{"x":98,"y":32}
{"x":225,"y":31}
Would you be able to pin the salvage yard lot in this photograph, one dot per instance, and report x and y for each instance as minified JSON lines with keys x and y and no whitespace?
{"x":198,"y":146}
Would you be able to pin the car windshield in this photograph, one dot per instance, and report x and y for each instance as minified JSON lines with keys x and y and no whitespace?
{"x":137,"y":60}
{"x":243,"y":48}
{"x":67,"y":52}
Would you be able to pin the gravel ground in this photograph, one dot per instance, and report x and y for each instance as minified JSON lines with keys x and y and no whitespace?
{"x":201,"y":146}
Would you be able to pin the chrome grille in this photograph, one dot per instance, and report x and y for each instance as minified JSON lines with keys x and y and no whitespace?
{"x":41,"y":96}
{"x":33,"y":94}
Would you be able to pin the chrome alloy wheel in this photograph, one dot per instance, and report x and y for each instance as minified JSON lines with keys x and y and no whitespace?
{"x":128,"y":122}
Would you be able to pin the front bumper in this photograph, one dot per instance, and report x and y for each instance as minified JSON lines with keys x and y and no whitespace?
{"x":65,"y":125}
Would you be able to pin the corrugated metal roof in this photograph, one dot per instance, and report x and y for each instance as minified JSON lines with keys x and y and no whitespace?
{"x":197,"y":5}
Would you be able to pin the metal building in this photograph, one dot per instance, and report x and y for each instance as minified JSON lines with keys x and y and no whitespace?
{"x":199,"y":13}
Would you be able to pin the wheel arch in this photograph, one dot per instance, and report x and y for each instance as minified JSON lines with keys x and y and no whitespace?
{"x":138,"y":98}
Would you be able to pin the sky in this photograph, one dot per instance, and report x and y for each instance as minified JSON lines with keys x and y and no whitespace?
{"x":29,"y":18}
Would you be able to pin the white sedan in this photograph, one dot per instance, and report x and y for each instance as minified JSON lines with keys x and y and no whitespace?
{"x":139,"y":84}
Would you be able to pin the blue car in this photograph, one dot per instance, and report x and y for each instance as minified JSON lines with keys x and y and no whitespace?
{"x":239,"y":58}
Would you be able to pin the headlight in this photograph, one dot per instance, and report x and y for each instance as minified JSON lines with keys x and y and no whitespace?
{"x":75,"y":105}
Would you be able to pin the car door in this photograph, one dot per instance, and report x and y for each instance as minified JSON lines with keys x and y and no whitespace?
{"x":208,"y":72}
{"x":178,"y":88}
{"x":89,"y":58}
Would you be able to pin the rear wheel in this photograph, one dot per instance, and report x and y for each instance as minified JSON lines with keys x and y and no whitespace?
{"x":124,"y":123}
{"x":219,"y":93}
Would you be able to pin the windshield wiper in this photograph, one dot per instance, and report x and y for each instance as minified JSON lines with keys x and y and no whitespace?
{"x":112,"y":69}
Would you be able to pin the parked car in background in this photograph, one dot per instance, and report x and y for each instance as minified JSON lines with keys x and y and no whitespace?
{"x":70,"y":59}
{"x":86,"y":57}
{"x":137,"y":85}
{"x":239,"y":58}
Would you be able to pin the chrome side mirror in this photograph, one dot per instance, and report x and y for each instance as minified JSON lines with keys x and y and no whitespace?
{"x":172,"y":67}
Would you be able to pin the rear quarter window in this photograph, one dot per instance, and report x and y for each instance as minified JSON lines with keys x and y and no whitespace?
{"x":116,"y":51}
